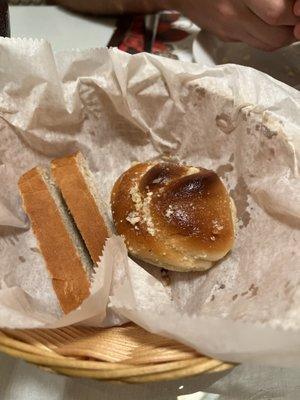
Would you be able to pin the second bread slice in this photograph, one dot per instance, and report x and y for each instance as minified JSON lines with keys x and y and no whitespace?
{"x":79,"y":191}
{"x":65,"y":255}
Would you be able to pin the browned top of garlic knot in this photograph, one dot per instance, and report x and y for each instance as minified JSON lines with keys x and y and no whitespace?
{"x":187,"y":200}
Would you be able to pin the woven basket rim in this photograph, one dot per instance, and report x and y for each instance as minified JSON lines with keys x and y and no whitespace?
{"x":48,"y":358}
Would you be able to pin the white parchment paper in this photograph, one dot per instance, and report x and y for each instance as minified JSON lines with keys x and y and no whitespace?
{"x":117,"y":109}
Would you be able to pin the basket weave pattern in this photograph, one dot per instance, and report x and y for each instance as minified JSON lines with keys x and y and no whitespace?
{"x":127,"y":353}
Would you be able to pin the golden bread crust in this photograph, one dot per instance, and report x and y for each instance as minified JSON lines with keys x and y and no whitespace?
{"x":81,"y":203}
{"x":70,"y":281}
{"x":173,"y":216}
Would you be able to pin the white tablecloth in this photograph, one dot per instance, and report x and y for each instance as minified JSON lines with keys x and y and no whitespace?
{"x":21,"y":381}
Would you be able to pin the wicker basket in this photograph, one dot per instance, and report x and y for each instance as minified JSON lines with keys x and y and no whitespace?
{"x":127,"y":353}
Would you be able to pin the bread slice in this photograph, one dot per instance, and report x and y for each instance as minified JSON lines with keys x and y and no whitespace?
{"x":80,"y":193}
{"x":65,"y":255}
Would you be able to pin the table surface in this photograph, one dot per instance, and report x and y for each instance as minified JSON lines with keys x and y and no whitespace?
{"x":21,"y":381}
{"x":63,"y":29}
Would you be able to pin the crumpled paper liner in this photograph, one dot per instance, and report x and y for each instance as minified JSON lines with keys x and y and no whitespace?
{"x":117,"y":109}
{"x":19,"y":309}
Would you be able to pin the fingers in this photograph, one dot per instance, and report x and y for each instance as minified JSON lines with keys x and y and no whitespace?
{"x":297,"y":13}
{"x":273,"y":37}
{"x":249,"y":21}
{"x":248,"y":39}
{"x":256,"y":43}
{"x":297,"y":8}
{"x":274,"y":12}
{"x":242,"y":24}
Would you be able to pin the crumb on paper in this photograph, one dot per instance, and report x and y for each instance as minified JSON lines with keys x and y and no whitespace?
{"x":35,"y":249}
{"x":225,"y":123}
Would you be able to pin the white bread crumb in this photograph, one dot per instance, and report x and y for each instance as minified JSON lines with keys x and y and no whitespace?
{"x":133,"y":217}
{"x":142,"y":211}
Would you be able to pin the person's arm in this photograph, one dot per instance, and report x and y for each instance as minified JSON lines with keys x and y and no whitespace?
{"x":112,"y":7}
{"x":264,"y":24}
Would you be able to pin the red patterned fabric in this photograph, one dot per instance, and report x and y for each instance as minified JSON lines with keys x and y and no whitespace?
{"x":130,"y":35}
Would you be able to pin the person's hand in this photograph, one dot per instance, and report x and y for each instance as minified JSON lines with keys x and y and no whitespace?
{"x":264,"y":24}
{"x":297,"y":13}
